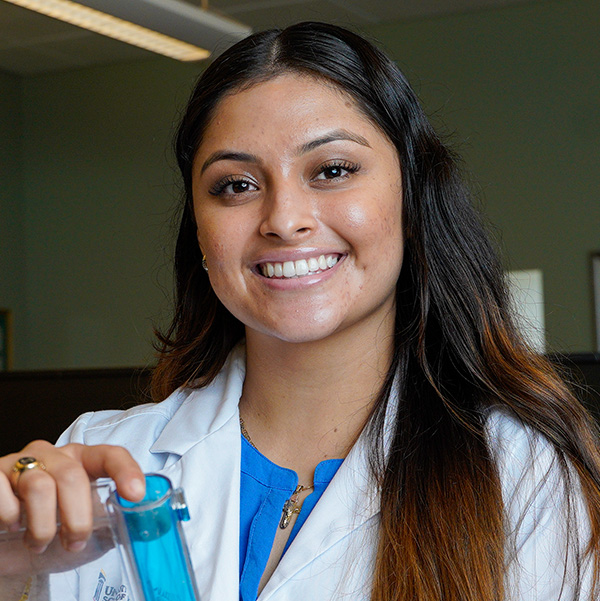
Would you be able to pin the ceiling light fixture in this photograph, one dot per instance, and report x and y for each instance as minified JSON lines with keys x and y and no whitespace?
{"x":169,"y":27}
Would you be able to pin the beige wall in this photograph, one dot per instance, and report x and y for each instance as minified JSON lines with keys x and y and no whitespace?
{"x":89,"y":196}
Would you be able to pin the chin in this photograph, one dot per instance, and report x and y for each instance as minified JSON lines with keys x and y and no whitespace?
{"x":302,"y":331}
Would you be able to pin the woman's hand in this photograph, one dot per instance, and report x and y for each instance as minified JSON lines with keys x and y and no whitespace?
{"x":63,"y":485}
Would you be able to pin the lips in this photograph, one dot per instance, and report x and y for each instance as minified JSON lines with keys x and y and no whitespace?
{"x":299,"y":268}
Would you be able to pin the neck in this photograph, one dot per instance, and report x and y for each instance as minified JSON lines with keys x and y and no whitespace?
{"x":305,"y":402}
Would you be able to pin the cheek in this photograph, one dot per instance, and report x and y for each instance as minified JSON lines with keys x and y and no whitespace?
{"x":216,"y":238}
{"x":356,"y":216}
{"x":375,"y":224}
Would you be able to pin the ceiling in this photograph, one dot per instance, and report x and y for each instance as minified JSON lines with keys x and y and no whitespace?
{"x":31,"y":43}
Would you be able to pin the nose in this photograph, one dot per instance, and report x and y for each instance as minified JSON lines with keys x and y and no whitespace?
{"x":289,"y":214}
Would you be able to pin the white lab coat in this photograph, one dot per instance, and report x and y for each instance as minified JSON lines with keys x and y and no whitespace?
{"x":193,"y":438}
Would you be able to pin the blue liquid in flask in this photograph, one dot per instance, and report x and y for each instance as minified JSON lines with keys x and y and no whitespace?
{"x":157,"y":543}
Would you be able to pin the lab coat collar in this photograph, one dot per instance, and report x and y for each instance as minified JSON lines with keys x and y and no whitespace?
{"x":196,"y":418}
{"x":212,"y":489}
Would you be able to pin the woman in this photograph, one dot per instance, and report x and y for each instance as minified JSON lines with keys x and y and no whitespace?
{"x":338,"y":302}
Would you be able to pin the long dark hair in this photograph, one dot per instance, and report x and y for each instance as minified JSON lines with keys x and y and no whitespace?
{"x":457,"y":352}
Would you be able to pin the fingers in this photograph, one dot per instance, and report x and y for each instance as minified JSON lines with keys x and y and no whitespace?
{"x":37,"y":491}
{"x":72,"y":472}
{"x":108,"y":461}
{"x":64,"y":485}
{"x":74,"y":500}
{"x":116,"y":463}
{"x":9,"y":504}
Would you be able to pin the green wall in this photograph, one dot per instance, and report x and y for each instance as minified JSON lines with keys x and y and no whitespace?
{"x":12,"y":229}
{"x":99,"y":198}
{"x":89,"y":179}
{"x":520,"y":91}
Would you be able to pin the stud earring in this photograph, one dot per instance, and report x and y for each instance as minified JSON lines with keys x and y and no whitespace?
{"x":204,"y":265}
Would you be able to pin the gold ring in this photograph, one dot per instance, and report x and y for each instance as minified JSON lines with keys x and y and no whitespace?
{"x":22,"y":465}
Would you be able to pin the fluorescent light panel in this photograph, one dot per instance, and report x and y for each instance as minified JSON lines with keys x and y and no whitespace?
{"x":132,"y":33}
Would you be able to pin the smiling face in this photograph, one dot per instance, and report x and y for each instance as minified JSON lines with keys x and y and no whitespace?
{"x":297,"y":197}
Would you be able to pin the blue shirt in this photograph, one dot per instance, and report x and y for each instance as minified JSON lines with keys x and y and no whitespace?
{"x":264,"y":489}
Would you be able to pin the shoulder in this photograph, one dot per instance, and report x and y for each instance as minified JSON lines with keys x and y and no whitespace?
{"x":506,"y":431}
{"x":547,"y":525}
{"x":152,"y":433}
{"x":100,"y":427}
{"x":148,"y":420}
{"x":538,"y":482}
{"x":170,"y":427}
{"x":516,"y":446}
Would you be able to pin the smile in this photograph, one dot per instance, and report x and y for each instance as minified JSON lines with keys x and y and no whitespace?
{"x":298,"y":269}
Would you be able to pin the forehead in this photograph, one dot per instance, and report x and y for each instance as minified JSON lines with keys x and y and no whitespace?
{"x":287,"y":107}
{"x":291,"y":85}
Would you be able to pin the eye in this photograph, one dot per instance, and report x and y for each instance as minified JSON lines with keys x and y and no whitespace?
{"x":232,"y":185}
{"x":336,"y":170}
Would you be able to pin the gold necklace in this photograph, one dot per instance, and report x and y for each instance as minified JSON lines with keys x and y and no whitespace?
{"x":290,"y":507}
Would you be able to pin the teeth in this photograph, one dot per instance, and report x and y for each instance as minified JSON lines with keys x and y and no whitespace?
{"x":292,"y":269}
{"x":289,"y":269}
{"x":301,"y":267}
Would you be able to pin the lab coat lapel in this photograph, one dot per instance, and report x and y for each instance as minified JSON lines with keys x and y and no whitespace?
{"x":205,"y":411}
{"x":212,"y":489}
{"x":348,"y":502}
{"x":203,"y":439}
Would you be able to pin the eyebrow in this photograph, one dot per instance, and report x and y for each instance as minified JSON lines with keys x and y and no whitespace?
{"x":228,"y":155}
{"x":333,"y":136}
{"x":244,"y":157}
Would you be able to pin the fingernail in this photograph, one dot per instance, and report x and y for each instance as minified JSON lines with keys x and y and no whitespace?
{"x":138,"y":488}
{"x":38,"y":549}
{"x":78,"y":545}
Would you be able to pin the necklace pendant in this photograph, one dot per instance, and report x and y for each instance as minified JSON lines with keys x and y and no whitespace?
{"x":289,"y":508}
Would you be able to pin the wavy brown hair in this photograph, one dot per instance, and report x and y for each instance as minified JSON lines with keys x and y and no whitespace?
{"x":457,"y":352}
